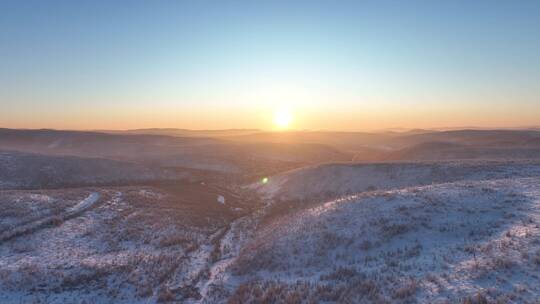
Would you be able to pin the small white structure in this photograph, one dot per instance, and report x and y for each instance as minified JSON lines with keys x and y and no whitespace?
{"x":221,"y":199}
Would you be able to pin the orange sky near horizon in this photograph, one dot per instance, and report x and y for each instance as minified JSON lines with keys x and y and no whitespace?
{"x":321,"y":117}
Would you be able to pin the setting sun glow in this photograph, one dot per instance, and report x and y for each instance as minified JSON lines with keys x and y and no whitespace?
{"x":283,"y":118}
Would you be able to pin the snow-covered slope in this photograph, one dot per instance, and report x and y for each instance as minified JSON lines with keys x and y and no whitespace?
{"x":125,"y":245}
{"x":423,"y":232}
{"x":334,"y":180}
{"x":463,"y":241}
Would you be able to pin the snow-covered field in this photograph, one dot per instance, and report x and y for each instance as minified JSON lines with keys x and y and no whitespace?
{"x":338,"y":233}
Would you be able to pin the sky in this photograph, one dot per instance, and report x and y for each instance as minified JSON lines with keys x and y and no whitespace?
{"x":331,"y":65}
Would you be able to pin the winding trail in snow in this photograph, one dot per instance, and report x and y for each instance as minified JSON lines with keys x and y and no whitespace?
{"x":217,"y":267}
{"x":230,"y":244}
{"x":38,"y":224}
{"x":85,"y":203}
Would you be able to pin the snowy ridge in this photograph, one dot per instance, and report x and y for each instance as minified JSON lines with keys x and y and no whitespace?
{"x":335,"y":180}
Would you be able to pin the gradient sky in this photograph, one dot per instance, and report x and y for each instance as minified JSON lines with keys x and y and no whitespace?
{"x":339,"y":65}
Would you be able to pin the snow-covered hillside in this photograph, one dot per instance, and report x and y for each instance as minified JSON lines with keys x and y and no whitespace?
{"x":465,"y":241}
{"x":334,"y":180}
{"x":338,"y":233}
{"x":107,"y":245}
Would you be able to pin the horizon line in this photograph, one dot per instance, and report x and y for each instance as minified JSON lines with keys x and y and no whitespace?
{"x":385,"y":130}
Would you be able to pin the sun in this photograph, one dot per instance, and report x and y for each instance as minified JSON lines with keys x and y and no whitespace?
{"x":283,"y":118}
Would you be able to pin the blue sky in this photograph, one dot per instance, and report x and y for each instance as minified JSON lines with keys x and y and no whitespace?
{"x":228,"y":64}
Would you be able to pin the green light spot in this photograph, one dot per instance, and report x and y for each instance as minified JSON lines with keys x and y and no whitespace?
{"x":265,"y":180}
